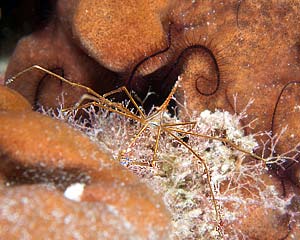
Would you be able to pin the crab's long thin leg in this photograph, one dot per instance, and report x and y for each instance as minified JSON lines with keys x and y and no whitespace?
{"x":156,"y":145}
{"x":165,"y":104}
{"x":122,"y":152}
{"x":94,"y":96}
{"x":218,"y":217}
{"x":89,"y":90}
{"x":225,"y":140}
{"x":170,"y":125}
{"x":110,"y":109}
{"x":168,"y":99}
{"x":37,"y":67}
{"x":79,"y":104}
{"x":108,"y":105}
{"x":180,"y":124}
{"x":86,"y":96}
{"x":138,"y":134}
{"x":124,"y":90}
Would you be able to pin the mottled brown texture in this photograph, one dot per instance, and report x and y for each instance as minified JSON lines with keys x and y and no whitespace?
{"x":255,"y":43}
{"x":264,"y":224}
{"x":259,"y":219}
{"x":256,"y":60}
{"x":37,"y":148}
{"x":120,"y":33}
{"x":115,"y":34}
{"x":53,"y":49}
{"x":257,"y":56}
{"x":42,"y":212}
{"x":11,"y":100}
{"x":145,"y":209}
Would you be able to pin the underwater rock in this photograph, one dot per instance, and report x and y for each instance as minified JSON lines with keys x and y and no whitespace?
{"x":37,"y":211}
{"x":257,"y":52}
{"x":134,"y":204}
{"x":243,"y":38}
{"x":247,"y":50}
{"x":246,"y":55}
{"x":253,"y":44}
{"x":36,"y":148}
{"x":262,"y":223}
{"x":52,"y":48}
{"x":73,"y":44}
{"x":118,"y":34}
{"x":258,"y":215}
{"x":11,"y":100}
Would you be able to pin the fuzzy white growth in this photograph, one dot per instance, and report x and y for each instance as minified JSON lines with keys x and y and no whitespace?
{"x":180,"y":177}
{"x":74,"y":192}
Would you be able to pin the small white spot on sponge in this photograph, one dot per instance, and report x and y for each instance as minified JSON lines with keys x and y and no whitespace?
{"x":74,"y":192}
